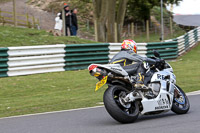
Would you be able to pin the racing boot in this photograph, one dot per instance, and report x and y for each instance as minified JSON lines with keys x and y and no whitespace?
{"x":140,"y":86}
{"x":147,"y":91}
{"x":140,"y":82}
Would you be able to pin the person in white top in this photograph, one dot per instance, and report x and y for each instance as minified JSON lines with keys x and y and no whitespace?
{"x":58,"y":25}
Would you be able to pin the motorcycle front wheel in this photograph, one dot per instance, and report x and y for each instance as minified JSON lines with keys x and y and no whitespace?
{"x":181,"y":103}
{"x":122,"y":112}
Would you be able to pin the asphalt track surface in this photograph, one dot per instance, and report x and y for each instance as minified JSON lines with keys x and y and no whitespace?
{"x":97,"y":120}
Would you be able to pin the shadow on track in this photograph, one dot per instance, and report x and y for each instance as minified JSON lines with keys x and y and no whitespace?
{"x":158,"y":116}
{"x":111,"y":122}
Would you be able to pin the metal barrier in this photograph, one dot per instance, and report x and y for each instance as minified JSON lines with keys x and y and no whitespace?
{"x":31,"y":59}
{"x":79,"y":56}
{"x":27,"y":60}
{"x":188,"y":40}
{"x":114,"y":48}
{"x":168,"y":50}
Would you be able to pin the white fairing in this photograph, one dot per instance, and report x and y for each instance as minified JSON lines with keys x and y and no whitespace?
{"x":115,"y":68}
{"x":163,"y":102}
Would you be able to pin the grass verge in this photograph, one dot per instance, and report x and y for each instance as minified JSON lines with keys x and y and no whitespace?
{"x":75,"y":89}
{"x":11,"y":36}
{"x":142,"y":38}
{"x":187,"y":70}
{"x":47,"y":92}
{"x":3,"y":1}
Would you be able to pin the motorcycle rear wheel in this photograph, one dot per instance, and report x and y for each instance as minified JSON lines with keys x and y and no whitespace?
{"x":181,"y":103}
{"x":120,"y":112}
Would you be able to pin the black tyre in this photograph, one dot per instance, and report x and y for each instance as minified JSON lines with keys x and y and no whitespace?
{"x":181,"y":103}
{"x":124,"y":113}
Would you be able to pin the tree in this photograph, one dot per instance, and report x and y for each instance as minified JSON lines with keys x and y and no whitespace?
{"x":139,"y":10}
{"x":106,"y":14}
{"x":111,"y":21}
{"x":109,"y":12}
{"x":100,"y":17}
{"x":120,"y":17}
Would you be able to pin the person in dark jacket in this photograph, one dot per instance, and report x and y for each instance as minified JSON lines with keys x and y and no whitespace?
{"x":130,"y":60}
{"x":74,"y":26}
{"x":68,"y":21}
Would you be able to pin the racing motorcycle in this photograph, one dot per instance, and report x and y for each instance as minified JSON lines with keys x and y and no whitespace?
{"x":125,"y":103}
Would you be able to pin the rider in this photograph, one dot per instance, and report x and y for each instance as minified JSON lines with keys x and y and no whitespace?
{"x":129,"y":59}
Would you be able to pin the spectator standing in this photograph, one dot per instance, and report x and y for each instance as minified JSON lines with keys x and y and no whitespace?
{"x":68,"y":21}
{"x":58,"y":25}
{"x":74,"y":26}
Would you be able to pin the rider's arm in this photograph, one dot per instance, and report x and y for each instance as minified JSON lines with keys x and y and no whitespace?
{"x":138,"y":58}
{"x":150,"y":61}
{"x":134,"y":57}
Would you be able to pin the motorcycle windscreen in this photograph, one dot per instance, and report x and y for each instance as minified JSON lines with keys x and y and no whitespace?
{"x":101,"y":83}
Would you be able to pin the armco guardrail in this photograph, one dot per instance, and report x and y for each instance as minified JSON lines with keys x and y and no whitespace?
{"x":51,"y":58}
{"x":27,"y":60}
{"x":187,"y":40}
{"x":168,"y":50}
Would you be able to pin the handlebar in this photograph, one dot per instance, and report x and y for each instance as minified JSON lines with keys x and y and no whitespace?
{"x":160,"y":63}
{"x":157,"y":62}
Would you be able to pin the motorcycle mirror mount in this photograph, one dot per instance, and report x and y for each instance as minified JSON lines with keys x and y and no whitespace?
{"x":156,"y":53}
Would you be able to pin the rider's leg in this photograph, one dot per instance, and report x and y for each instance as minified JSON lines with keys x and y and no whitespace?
{"x":132,"y":69}
{"x":138,"y":68}
{"x":141,"y":70}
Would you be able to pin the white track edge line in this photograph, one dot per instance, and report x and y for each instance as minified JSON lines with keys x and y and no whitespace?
{"x":53,"y":112}
{"x":193,"y":93}
{"x":61,"y":111}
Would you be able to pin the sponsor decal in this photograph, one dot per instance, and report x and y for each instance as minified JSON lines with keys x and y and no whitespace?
{"x":161,"y":77}
{"x":163,"y":104}
{"x":161,"y":107}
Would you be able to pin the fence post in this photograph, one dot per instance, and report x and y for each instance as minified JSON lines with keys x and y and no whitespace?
{"x":136,"y":27}
{"x":129,"y":30}
{"x":38,"y":22}
{"x":27,"y":21}
{"x":63,"y":19}
{"x":171,"y":27}
{"x":132,"y":30}
{"x":1,"y":19}
{"x":14,"y":13}
{"x":33,"y":18}
{"x":95,"y":30}
{"x":116,"y":31}
{"x":52,"y":11}
{"x":88,"y":25}
{"x":147,"y":29}
{"x":0,"y":12}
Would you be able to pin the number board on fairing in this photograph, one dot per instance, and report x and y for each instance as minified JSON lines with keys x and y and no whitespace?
{"x":161,"y":77}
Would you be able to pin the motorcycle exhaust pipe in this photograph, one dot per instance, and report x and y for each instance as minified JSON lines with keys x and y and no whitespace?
{"x":97,"y":72}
